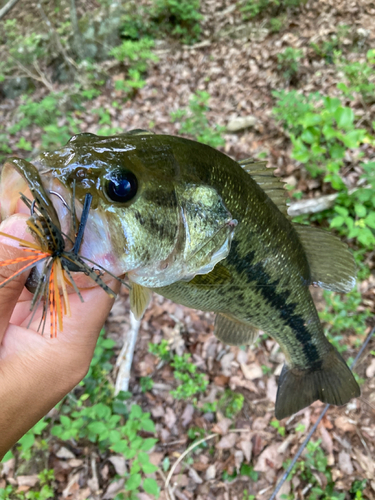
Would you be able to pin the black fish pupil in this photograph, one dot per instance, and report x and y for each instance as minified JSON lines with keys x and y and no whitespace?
{"x":122,"y":186}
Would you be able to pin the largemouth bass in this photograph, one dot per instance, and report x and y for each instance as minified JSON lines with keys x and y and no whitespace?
{"x":187,"y":222}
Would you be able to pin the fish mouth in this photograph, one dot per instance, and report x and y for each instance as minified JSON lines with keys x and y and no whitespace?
{"x":24,"y":189}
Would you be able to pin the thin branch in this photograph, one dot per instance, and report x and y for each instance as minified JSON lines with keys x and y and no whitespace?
{"x":60,"y":47}
{"x":188,"y":450}
{"x":125,"y":358}
{"x":40,"y":78}
{"x":315,"y":205}
{"x":7,"y":7}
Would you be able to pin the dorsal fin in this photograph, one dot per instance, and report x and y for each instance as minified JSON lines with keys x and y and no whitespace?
{"x":265,"y":178}
{"x":332,"y":265}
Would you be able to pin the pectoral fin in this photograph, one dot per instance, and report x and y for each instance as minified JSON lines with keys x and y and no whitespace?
{"x":233,"y":332}
{"x":333,"y":383}
{"x":331,"y":263}
{"x":140,"y":297}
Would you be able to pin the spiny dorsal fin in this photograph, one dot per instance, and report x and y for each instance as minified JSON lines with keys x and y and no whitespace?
{"x":140,"y":297}
{"x":265,"y":178}
{"x":331,"y":263}
{"x":233,"y":332}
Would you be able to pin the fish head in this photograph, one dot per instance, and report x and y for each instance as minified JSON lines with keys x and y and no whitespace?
{"x":149,"y":218}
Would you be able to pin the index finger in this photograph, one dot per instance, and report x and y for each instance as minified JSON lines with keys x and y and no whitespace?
{"x":11,"y":262}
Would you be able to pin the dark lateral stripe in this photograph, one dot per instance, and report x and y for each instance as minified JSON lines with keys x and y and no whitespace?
{"x":277,"y":300}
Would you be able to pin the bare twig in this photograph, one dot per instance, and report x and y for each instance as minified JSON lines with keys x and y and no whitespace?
{"x":308,"y":437}
{"x":312,"y":206}
{"x":77,"y":34}
{"x":125,"y":358}
{"x":56,"y":37}
{"x":41,"y":78}
{"x":7,"y":7}
{"x":188,"y":450}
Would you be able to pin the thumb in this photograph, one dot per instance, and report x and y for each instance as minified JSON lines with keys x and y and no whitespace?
{"x":9,"y":251}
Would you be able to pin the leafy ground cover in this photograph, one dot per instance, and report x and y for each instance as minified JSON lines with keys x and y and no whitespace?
{"x":305,"y":75}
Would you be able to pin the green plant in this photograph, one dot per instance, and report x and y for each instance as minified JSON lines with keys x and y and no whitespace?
{"x":354,"y":214}
{"x":341,"y":315}
{"x":315,"y":460}
{"x":288,"y":62}
{"x":280,"y":429}
{"x":328,"y":49}
{"x":194,"y":121}
{"x":192,"y":382}
{"x":321,"y":130}
{"x":180,"y":18}
{"x":146,"y":384}
{"x":248,"y":470}
{"x":360,"y":77}
{"x":246,"y":496}
{"x":44,"y":490}
{"x":101,"y":418}
{"x":231,"y":403}
{"x":356,"y":489}
{"x":253,"y":8}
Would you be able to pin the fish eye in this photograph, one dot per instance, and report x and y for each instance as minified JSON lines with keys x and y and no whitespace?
{"x":121,"y":186}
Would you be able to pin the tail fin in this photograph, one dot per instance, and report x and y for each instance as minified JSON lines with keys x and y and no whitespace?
{"x":333,"y":383}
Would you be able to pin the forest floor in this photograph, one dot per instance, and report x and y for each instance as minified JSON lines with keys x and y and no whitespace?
{"x":237,"y":64}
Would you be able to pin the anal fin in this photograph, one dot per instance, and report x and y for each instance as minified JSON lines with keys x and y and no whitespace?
{"x":333,"y":383}
{"x":140,"y":297}
{"x":331,"y":263}
{"x":233,"y":332}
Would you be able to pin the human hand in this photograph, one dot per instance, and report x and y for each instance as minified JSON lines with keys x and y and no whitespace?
{"x":38,"y":371}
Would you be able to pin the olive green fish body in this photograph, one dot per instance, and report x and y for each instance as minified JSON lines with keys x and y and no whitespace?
{"x":188,"y":222}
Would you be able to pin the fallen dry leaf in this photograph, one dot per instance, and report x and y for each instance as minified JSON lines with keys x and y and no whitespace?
{"x":227,"y":442}
{"x":345,"y":463}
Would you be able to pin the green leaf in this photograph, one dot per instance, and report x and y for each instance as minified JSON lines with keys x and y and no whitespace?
{"x":337,"y":152}
{"x":149,"y":468}
{"x":27,"y":441}
{"x":148,"y":444}
{"x":66,"y":422}
{"x":344,"y":117}
{"x":143,"y":458}
{"x":309,"y":135}
{"x":370,"y":220}
{"x":98,"y":428}
{"x":136,"y":411}
{"x":108,"y":343}
{"x":360,"y":210}
{"x":342,"y":211}
{"x":329,"y":132}
{"x":151,"y":487}
{"x":121,"y":447}
{"x":114,"y":436}
{"x":337,"y":221}
{"x":133,"y":482}
{"x":331,"y":103}
{"x":310,"y":119}
{"x":8,"y":455}
{"x":148,"y":425}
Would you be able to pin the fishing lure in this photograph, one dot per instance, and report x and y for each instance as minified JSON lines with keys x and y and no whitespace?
{"x":50,"y":248}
